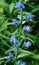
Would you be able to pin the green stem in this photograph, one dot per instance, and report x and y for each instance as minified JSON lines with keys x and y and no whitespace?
{"x":21,"y":19}
{"x":19,"y":28}
{"x":3,"y":58}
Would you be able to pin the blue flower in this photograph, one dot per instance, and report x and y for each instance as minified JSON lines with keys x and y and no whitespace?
{"x":24,"y":63}
{"x":19,"y":16}
{"x":26,"y":28}
{"x":27,"y":44}
{"x":15,"y":22}
{"x":15,"y":49}
{"x":29,"y":17}
{"x":19,"y":62}
{"x":19,"y":5}
{"x":14,"y":40}
{"x":9,"y":57}
{"x":10,"y":53}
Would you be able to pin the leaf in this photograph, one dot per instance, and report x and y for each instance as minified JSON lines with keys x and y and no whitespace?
{"x":22,"y":55}
{"x":35,"y":56}
{"x":28,"y":54}
{"x":3,"y":36}
{"x":10,"y":49}
{"x":11,"y":7}
{"x":4,"y":25}
{"x":35,"y":9}
{"x":5,"y":43}
{"x":4,"y":5}
{"x":32,"y":37}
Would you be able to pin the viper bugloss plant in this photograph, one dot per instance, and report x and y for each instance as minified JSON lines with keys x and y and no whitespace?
{"x":19,"y":32}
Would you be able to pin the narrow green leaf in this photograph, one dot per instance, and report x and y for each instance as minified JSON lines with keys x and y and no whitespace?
{"x":5,"y":43}
{"x":11,"y":7}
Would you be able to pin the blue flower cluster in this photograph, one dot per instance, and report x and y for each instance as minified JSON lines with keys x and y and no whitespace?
{"x":19,"y":62}
{"x":14,"y":40}
{"x":19,"y":6}
{"x":15,"y":22}
{"x":26,"y":28}
{"x":27,"y":44}
{"x":28,"y":16}
{"x":9,"y":57}
{"x":19,"y":16}
{"x":24,"y":63}
{"x":15,"y":50}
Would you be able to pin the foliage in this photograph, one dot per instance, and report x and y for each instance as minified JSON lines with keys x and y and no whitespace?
{"x":19,"y":32}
